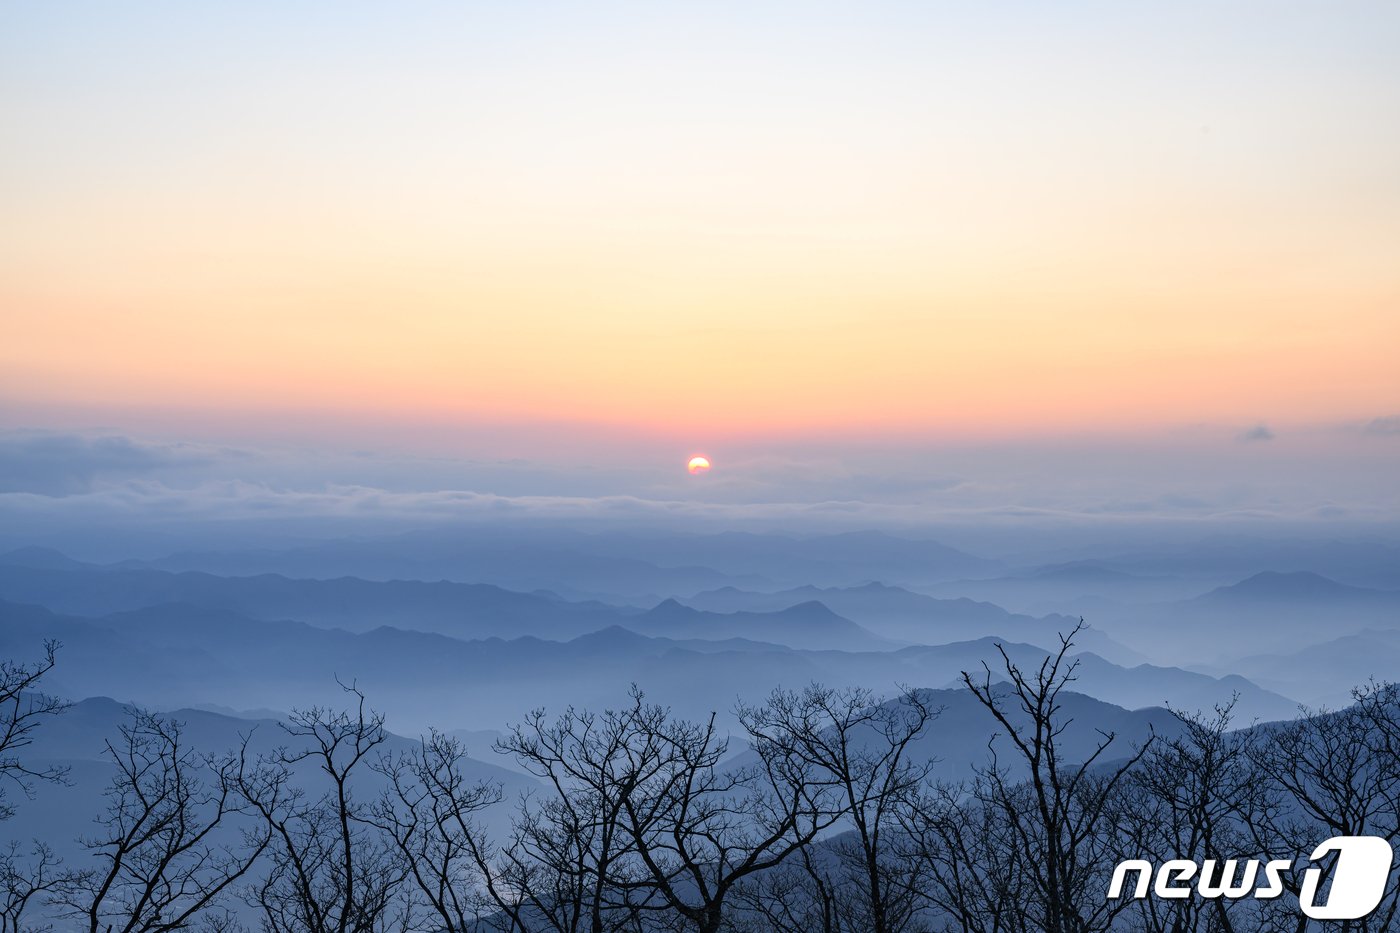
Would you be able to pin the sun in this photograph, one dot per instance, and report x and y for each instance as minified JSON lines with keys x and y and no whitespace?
{"x":698,"y":465}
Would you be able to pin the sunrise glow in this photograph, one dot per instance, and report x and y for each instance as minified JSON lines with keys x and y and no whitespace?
{"x":671,"y":221}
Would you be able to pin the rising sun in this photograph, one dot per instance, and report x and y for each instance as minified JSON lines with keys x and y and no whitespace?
{"x":698,"y":465}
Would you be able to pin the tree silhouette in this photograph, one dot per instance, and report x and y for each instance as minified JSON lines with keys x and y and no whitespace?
{"x":859,"y":745}
{"x":1059,"y":817}
{"x":429,"y":812}
{"x":22,"y":709}
{"x":330,"y":869}
{"x":166,"y":849}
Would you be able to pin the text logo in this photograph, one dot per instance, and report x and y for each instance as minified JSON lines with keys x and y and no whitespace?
{"x":1359,"y":877}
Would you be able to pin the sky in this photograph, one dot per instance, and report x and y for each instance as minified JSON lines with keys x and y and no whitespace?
{"x":854,"y":252}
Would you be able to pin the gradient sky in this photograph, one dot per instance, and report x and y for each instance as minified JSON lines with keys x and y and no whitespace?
{"x":703,"y":219}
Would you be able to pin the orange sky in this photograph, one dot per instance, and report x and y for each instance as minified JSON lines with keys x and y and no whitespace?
{"x":686,"y":223}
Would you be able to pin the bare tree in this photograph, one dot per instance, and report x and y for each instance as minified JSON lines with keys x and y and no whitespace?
{"x":429,"y":813}
{"x":330,"y":870}
{"x":861,"y":746}
{"x":1186,"y":798}
{"x":1332,"y":774}
{"x":26,"y":877}
{"x":1379,"y":703}
{"x":701,"y":827}
{"x":22,"y":708}
{"x":795,"y":897}
{"x":167,"y":846}
{"x":570,"y":864}
{"x":973,"y":867}
{"x":643,"y":827}
{"x":1059,"y":815}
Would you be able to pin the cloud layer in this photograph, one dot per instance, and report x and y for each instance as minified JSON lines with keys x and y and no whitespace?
{"x":1338,"y":472}
{"x":52,"y":464}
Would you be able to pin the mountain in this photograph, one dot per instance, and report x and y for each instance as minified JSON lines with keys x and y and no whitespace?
{"x":1360,"y":562}
{"x":965,"y":725}
{"x":41,"y":558}
{"x":955,"y":741}
{"x":835,"y":559}
{"x":1092,"y":572}
{"x":1075,"y":587}
{"x":1265,"y":613}
{"x":60,"y":813}
{"x":874,"y":601}
{"x":898,"y":613}
{"x":1271,"y":609}
{"x":627,"y":566}
{"x":1136,"y":687}
{"x":805,"y":625}
{"x":576,"y":565}
{"x":1323,"y":674}
{"x":463,"y":609}
{"x":171,"y":655}
{"x":1298,"y":588}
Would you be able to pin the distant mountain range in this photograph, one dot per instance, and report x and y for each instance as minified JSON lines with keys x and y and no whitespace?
{"x":163,"y":655}
{"x":462,"y":610}
{"x":1291,"y":590}
{"x":642,"y":568}
{"x":1323,"y":674}
{"x":471,"y":610}
{"x":1263,"y":613}
{"x":898,"y":613}
{"x":810,"y":624}
{"x":1076,"y":587}
{"x":426,"y":642}
{"x":1359,"y":562}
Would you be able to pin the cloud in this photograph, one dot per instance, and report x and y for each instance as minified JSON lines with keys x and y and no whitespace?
{"x":335,"y":509}
{"x":118,"y":486}
{"x":56,"y":465}
{"x":1383,"y":427}
{"x":1260,"y":432}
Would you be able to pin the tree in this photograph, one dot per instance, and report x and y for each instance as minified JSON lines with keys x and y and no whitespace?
{"x":22,"y":709}
{"x":24,"y":878}
{"x":166,"y":846}
{"x":973,"y":870}
{"x":330,"y":871}
{"x":701,"y":827}
{"x":1059,"y":816}
{"x":860,"y":746}
{"x":1330,"y":774}
{"x":790,"y":898}
{"x":429,"y":813}
{"x":1186,"y":798}
{"x":643,"y":825}
{"x":571,"y":864}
